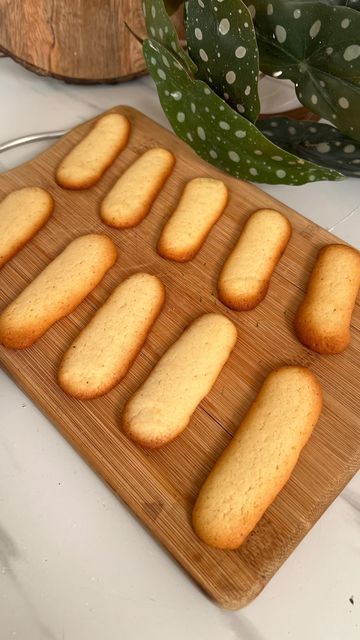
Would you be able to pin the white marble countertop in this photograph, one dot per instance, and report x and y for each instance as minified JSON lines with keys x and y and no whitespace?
{"x":74,"y":563}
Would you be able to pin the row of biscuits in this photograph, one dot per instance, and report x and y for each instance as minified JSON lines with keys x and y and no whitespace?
{"x":290,"y":399}
{"x":246,"y":274}
{"x":323,"y":320}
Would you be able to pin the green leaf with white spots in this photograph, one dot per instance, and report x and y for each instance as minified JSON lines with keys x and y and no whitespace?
{"x":318,"y":47}
{"x":314,"y":141}
{"x":221,"y":40}
{"x":217,"y":132}
{"x":160,"y":27}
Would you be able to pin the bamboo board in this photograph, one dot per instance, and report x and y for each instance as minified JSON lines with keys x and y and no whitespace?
{"x":160,"y":486}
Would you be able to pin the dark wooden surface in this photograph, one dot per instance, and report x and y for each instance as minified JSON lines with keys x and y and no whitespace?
{"x":82,"y":41}
{"x":161,"y":486}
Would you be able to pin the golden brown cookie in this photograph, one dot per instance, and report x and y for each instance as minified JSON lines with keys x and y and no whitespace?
{"x":200,"y":207}
{"x":245,"y":277}
{"x":323,"y":319}
{"x":131,"y":197}
{"x":260,"y":458}
{"x":22,"y":213}
{"x":162,"y":407}
{"x":89,"y":159}
{"x":57,"y":290}
{"x":104,"y":350}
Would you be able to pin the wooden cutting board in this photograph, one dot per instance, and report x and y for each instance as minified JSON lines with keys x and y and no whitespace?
{"x":160,"y":486}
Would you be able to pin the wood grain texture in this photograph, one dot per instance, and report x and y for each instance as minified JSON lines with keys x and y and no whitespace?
{"x":161,"y":486}
{"x":83,"y":41}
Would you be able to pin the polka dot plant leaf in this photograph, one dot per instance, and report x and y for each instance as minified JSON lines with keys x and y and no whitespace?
{"x":318,"y":47}
{"x":306,"y":139}
{"x":221,"y":40}
{"x":217,"y":132}
{"x":159,"y":26}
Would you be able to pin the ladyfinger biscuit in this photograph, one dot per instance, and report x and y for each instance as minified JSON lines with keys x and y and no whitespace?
{"x":260,"y":458}
{"x":89,"y":159}
{"x":22,"y":213}
{"x":200,"y":206}
{"x":104,"y":351}
{"x":323,"y":319}
{"x":245,"y":277}
{"x":131,"y":197}
{"x":162,"y":407}
{"x":57,"y":290}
